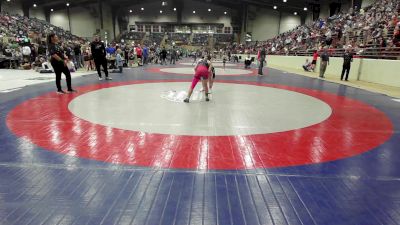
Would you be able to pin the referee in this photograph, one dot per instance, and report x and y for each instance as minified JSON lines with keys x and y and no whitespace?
{"x":59,"y":63}
{"x":347,"y":60}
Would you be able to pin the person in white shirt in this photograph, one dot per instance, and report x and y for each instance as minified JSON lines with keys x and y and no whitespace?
{"x":26,"y":53}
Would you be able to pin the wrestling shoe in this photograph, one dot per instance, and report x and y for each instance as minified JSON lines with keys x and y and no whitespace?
{"x":61,"y":92}
{"x":186,"y":100}
{"x":100,"y":78}
{"x":72,"y":91}
{"x":108,"y":78}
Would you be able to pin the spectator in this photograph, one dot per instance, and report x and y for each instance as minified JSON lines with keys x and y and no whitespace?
{"x":247,"y":61}
{"x":307,"y":66}
{"x":324,"y":62}
{"x":173,"y":56}
{"x":261,"y":58}
{"x":119,"y":61}
{"x":78,"y":55}
{"x":110,"y":49}
{"x":163,"y":56}
{"x":139,"y":54}
{"x":314,"y":61}
{"x":145,"y":54}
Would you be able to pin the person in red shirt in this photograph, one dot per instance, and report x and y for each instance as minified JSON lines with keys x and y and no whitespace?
{"x":314,"y":60}
{"x":139,"y":54}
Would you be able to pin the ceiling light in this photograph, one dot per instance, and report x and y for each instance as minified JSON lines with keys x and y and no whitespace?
{"x":275,"y":7}
{"x":194,"y":12}
{"x":52,"y":10}
{"x":305,"y":9}
{"x":225,"y":13}
{"x":34,"y":5}
{"x":164,"y":3}
{"x":142,"y":9}
{"x":160,"y":11}
{"x":284,"y":0}
{"x":67,"y":4}
{"x":209,"y":10}
{"x":8,"y":0}
{"x":295,"y":13}
{"x":130,"y":10}
{"x":174,"y":9}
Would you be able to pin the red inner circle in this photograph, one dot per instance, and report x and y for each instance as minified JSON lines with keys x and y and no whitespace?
{"x":353,"y":128}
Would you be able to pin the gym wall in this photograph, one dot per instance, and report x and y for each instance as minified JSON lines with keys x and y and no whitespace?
{"x":152,"y":13}
{"x":377,"y":71}
{"x":267,"y":23}
{"x":84,"y":20}
{"x":366,"y":3}
{"x":12,"y":7}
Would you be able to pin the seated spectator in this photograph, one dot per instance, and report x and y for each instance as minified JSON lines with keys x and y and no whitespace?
{"x":396,"y":36}
{"x":307,"y":66}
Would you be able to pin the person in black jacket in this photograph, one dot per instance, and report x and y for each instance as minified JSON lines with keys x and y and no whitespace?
{"x":173,"y":56}
{"x":78,"y":55}
{"x":261,"y":59}
{"x":59,"y":63}
{"x":347,"y":59}
{"x":99,"y":56}
{"x":163,"y":55}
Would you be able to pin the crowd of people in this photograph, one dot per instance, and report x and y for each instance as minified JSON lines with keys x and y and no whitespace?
{"x":23,"y":41}
{"x":372,"y":27}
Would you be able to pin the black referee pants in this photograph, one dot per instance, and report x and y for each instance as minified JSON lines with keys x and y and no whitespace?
{"x":103,"y":63}
{"x":346,"y":69}
{"x":60,"y":68}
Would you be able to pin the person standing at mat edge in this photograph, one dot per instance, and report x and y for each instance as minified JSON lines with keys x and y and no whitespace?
{"x":324,"y":63}
{"x":347,"y":60}
{"x":99,"y":56}
{"x":59,"y":63}
{"x":261,"y":58}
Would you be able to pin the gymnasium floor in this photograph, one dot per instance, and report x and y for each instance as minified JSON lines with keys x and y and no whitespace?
{"x":274,"y":149}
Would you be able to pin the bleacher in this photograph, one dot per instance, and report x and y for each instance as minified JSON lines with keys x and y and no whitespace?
{"x":371,"y":30}
{"x":179,"y":38}
{"x":223,"y":38}
{"x":156,"y":38}
{"x":133,"y":36}
{"x":20,"y":27}
{"x":17,"y":31}
{"x":200,"y":39}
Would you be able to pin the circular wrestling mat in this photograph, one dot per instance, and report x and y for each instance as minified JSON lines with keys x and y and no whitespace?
{"x":132,"y":123}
